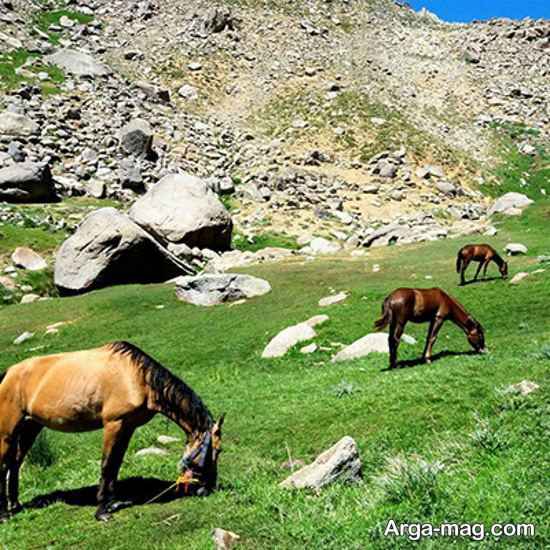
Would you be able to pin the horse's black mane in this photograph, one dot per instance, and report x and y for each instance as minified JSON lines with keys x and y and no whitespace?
{"x":177,"y":399}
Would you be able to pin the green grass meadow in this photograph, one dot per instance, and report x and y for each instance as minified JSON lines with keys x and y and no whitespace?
{"x":465,"y":450}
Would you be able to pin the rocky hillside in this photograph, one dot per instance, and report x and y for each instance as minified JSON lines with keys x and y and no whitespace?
{"x":311,"y":118}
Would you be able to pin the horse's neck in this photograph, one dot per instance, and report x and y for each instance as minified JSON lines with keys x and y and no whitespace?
{"x":498,"y":260}
{"x":458,"y":316}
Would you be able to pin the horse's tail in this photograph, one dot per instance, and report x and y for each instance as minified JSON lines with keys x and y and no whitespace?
{"x":385,"y":320}
{"x":459,"y":262}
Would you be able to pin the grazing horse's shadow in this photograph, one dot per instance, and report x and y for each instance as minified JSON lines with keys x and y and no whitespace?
{"x":486,"y":280}
{"x":134,"y":490}
{"x":420,"y":361}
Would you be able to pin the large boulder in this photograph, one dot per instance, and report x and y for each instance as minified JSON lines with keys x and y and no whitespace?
{"x":212,"y":290}
{"x":136,"y":138}
{"x":78,"y":63}
{"x":340,"y":463}
{"x":109,"y":249}
{"x":26,"y":182}
{"x":510,"y":203}
{"x":180,"y":209}
{"x":17,"y":125}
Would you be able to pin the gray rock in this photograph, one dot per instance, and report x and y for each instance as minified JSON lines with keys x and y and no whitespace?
{"x":291,"y":336}
{"x":224,"y":540}
{"x":518,"y":277}
{"x":26,"y":258}
{"x":15,"y":124}
{"x":26,"y":182}
{"x":96,"y":189}
{"x":215,"y":289}
{"x":513,"y":249}
{"x":340,"y":463}
{"x":136,"y":138}
{"x":310,"y":348}
{"x":321,"y":246}
{"x":152,"y":451}
{"x":108,"y":249}
{"x":181,"y":209}
{"x":78,"y":63}
{"x":376,"y":342}
{"x":23,"y":338}
{"x":508,"y":202}
{"x":188,"y":92}
{"x":525,"y":387}
{"x":29,"y":298}
{"x":333,"y":299}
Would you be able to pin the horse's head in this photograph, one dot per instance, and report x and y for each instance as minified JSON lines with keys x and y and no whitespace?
{"x":475,"y":335}
{"x":199,"y":464}
{"x":504,"y":270}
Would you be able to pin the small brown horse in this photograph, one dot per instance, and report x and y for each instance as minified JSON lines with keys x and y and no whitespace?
{"x":422,"y":306}
{"x":116,"y":387}
{"x":482,"y":253}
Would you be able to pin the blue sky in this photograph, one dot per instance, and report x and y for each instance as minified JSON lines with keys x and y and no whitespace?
{"x":466,"y":10}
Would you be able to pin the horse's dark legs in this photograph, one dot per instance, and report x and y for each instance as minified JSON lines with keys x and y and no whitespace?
{"x":116,"y":436}
{"x":485,"y":266}
{"x":465,"y":265}
{"x":8,"y":438}
{"x":478,"y":270}
{"x":394,"y":338}
{"x":435,"y":327}
{"x":26,"y":436}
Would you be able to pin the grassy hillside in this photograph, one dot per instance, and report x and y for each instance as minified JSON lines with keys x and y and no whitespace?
{"x":486,"y":452}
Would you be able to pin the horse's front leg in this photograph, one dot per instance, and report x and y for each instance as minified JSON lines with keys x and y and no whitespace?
{"x":5,"y":456}
{"x":465,"y":265}
{"x":116,"y":437}
{"x":435,"y":327}
{"x":485,"y":266}
{"x":26,"y":437}
{"x":478,"y":270}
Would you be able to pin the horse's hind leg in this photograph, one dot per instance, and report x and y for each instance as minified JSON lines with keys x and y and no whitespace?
{"x":116,"y":437}
{"x":26,"y":436}
{"x":396,"y":331}
{"x":435,"y":327}
{"x":485,"y":266}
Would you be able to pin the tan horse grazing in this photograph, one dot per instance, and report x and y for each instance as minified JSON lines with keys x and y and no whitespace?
{"x":116,"y":387}
{"x":432,"y":306}
{"x":482,"y":253}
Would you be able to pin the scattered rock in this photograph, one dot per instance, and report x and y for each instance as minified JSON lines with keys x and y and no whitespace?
{"x":290,"y":336}
{"x":333,"y":299}
{"x":136,"y":138}
{"x":320,"y":246}
{"x":518,"y":277}
{"x":513,"y":249}
{"x":311,"y":348}
{"x":26,"y":258}
{"x":29,"y":298}
{"x":509,"y":202}
{"x":376,"y":342}
{"x":17,"y":125}
{"x":23,"y":338}
{"x":78,"y":63}
{"x":215,"y":289}
{"x":224,"y":540}
{"x":340,"y":463}
{"x":525,"y":387}
{"x":26,"y":182}
{"x":168,"y":439}
{"x":152,"y":451}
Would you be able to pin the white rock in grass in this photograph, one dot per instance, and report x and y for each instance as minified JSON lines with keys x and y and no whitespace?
{"x":518,"y":277}
{"x":168,"y":439}
{"x":376,"y":342}
{"x":339,"y":463}
{"x":224,"y":540}
{"x":26,"y":258}
{"x":23,"y":338}
{"x":29,"y":298}
{"x":513,"y":249}
{"x":333,"y":299}
{"x":152,"y":451}
{"x":525,"y":387}
{"x":311,"y":348}
{"x":291,"y":336}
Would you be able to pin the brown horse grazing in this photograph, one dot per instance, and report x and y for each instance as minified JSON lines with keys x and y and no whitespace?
{"x":421,"y":306}
{"x":482,"y":253}
{"x":116,"y":387}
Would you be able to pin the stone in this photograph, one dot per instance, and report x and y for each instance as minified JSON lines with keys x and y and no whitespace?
{"x":333,"y":299}
{"x":188,"y":92}
{"x":26,"y":258}
{"x":29,"y":298}
{"x":168,"y":439}
{"x":27,"y":182}
{"x":224,"y":540}
{"x":341,"y":463}
{"x":23,"y":338}
{"x":518,"y":277}
{"x":17,"y":125}
{"x":108,"y":249}
{"x":524,"y":388}
{"x":509,"y":202}
{"x":180,"y":209}
{"x":96,"y":189}
{"x":514,"y":249}
{"x":7,"y":282}
{"x":152,"y":451}
{"x":321,"y":246}
{"x":311,"y":348}
{"x":77,"y":63}
{"x":291,"y":336}
{"x":215,"y":289}
{"x":136,"y":138}
{"x":376,"y":342}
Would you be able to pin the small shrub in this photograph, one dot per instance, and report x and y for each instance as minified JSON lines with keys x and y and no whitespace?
{"x":410,"y":478}
{"x":486,"y":437}
{"x":343,"y":388}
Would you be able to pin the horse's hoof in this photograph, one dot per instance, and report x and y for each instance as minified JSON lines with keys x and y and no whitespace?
{"x":118,"y":505}
{"x":103,"y":515}
{"x":15,"y":508}
{"x":4,"y":516}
